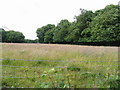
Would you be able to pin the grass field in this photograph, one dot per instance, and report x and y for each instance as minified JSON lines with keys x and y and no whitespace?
{"x":61,"y":66}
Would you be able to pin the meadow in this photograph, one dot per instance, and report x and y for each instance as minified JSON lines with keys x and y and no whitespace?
{"x":59,"y":66}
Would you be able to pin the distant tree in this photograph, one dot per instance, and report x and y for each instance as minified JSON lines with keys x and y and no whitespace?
{"x":83,"y":21}
{"x":41,"y":32}
{"x":14,"y":37}
{"x":61,"y":31}
{"x":30,"y":41}
{"x":73,"y":33}
{"x":101,"y":26}
{"x":48,"y":38}
{"x":2,"y":35}
{"x":105,"y":26}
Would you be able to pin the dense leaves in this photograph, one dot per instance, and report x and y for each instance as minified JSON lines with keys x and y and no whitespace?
{"x":12,"y":36}
{"x":105,"y":26}
{"x":41,"y":32}
{"x":61,"y":31}
{"x":2,"y":35}
{"x":100,"y":26}
{"x":30,"y":41}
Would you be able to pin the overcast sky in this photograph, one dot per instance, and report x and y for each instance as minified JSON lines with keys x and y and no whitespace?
{"x":28,"y":15}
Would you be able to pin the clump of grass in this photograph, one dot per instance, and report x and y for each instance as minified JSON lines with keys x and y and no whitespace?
{"x":73,"y":68}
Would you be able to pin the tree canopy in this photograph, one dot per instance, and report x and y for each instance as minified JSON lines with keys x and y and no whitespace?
{"x":99,"y":26}
{"x":41,"y":32}
{"x":12,"y":36}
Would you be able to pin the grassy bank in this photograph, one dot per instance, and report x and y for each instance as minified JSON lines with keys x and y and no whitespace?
{"x":61,"y":66}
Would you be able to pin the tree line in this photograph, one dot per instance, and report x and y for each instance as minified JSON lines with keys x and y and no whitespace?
{"x":99,"y":26}
{"x":14,"y":37}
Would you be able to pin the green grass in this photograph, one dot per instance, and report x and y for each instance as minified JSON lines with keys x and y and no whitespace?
{"x":91,"y":72}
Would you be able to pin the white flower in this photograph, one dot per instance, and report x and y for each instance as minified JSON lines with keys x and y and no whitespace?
{"x":52,"y":70}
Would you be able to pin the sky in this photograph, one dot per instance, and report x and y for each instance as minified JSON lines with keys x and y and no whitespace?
{"x":27,"y":15}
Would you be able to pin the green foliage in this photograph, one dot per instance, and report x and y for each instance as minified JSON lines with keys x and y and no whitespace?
{"x":114,"y":84}
{"x":48,"y":38}
{"x":61,"y":31}
{"x":73,"y":68}
{"x":73,"y":33}
{"x":2,"y":35}
{"x":104,"y":27}
{"x":44,"y":85}
{"x":30,"y":41}
{"x":100,"y":26}
{"x":41,"y":31}
{"x":84,"y":19}
{"x":14,"y":37}
{"x":11,"y":36}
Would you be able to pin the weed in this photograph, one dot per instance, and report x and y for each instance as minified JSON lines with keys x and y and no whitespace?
{"x":73,"y":68}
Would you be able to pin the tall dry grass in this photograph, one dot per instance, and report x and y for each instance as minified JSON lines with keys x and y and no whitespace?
{"x":101,"y":61}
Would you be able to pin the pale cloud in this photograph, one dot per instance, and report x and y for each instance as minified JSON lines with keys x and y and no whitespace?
{"x":28,"y":15}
